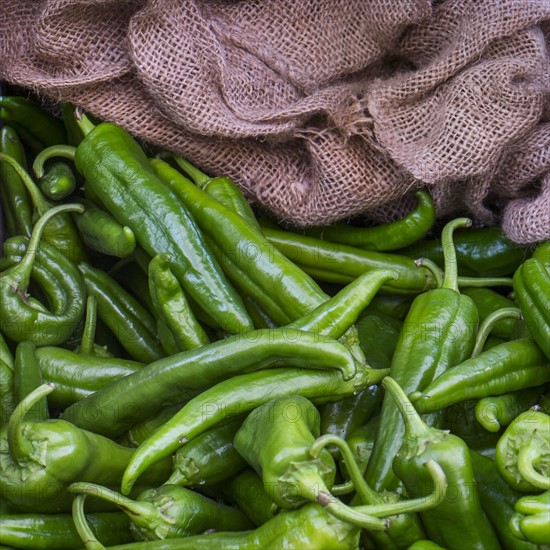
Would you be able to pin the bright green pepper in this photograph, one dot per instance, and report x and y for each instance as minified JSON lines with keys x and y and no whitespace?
{"x":531,"y":519}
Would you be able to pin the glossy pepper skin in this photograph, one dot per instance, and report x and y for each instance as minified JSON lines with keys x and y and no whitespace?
{"x":523,"y":452}
{"x":169,"y":511}
{"x":308,"y":528}
{"x":498,"y":500}
{"x":39,"y":460}
{"x":391,"y":236}
{"x":458,"y":522}
{"x":132,"y":324}
{"x":482,"y":252}
{"x":510,"y":366}
{"x":209,"y":458}
{"x":23,"y":318}
{"x":8,"y":401}
{"x":43,"y":531}
{"x":16,"y":202}
{"x":532,"y":291}
{"x":239,"y":395}
{"x":437,"y":334}
{"x":179,"y":377}
{"x":134,"y":195}
{"x":58,"y":182}
{"x":530,"y":522}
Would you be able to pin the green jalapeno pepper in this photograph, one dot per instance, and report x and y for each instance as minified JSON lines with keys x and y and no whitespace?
{"x":530,"y":522}
{"x":169,"y":511}
{"x":514,"y":365}
{"x":523,"y":452}
{"x":23,"y":319}
{"x":135,"y":196}
{"x":438,"y":333}
{"x":458,"y":522}
{"x":16,"y":202}
{"x":43,"y":531}
{"x":39,"y":460}
{"x":531,"y":289}
{"x":390,"y":236}
{"x":36,"y":127}
{"x":239,"y":395}
{"x":176,"y":378}
{"x":209,"y":458}
{"x":498,"y":500}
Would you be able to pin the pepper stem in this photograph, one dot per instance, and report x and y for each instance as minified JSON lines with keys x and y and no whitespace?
{"x":88,"y":336}
{"x":143,"y":514}
{"x":488,"y":324}
{"x":20,"y":274}
{"x":17,"y":443}
{"x":40,"y":203}
{"x":527,"y":455}
{"x":82,"y":527}
{"x":433,"y":268}
{"x":414,"y":425}
{"x":84,"y":123}
{"x":449,"y":252}
{"x":199,"y":178}
{"x":65,"y":151}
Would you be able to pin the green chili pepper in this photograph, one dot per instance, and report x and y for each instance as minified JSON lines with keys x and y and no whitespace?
{"x":497,"y":411}
{"x":523,"y":452}
{"x":246,"y":491}
{"x":209,"y":458}
{"x":361,"y":442}
{"x":308,"y":528}
{"x":102,"y":233}
{"x":44,"y":531}
{"x":74,"y":133}
{"x":35,"y":126}
{"x":171,"y":305}
{"x":458,"y":522}
{"x":487,"y":301}
{"x":61,"y":232}
{"x":169,"y":512}
{"x":5,"y":353}
{"x":135,"y":196}
{"x":531,"y":289}
{"x":76,"y":376}
{"x":23,"y":319}
{"x":438,"y":333}
{"x":87,"y":345}
{"x":177,"y":378}
{"x":344,"y":263}
{"x":58,"y":182}
{"x":132,"y":324}
{"x":498,"y":500}
{"x":27,"y":376}
{"x":425,"y":545}
{"x":514,"y":365}
{"x":390,"y":236}
{"x":16,"y":202}
{"x":391,"y":305}
{"x":239,"y":395}
{"x":482,"y":252}
{"x":7,"y":395}
{"x":378,"y":336}
{"x":492,"y":320}
{"x":531,"y":519}
{"x":223,"y":189}
{"x":259,"y":317}
{"x":39,"y":460}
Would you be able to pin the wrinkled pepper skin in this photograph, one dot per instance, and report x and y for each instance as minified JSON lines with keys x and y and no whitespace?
{"x":129,"y":189}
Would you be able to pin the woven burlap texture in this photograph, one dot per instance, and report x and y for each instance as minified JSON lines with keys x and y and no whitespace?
{"x":319,"y":109}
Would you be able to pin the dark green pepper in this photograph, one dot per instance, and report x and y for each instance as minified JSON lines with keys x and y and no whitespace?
{"x":58,"y":182}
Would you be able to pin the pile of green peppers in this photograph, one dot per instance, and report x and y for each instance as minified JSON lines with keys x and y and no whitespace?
{"x":178,"y":370}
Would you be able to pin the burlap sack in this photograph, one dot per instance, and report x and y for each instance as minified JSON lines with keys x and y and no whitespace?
{"x":319,"y":109}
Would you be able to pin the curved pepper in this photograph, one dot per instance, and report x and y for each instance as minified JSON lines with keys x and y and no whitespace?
{"x":457,"y":523}
{"x":169,"y":511}
{"x":176,"y":378}
{"x":39,"y":460}
{"x":530,"y":522}
{"x":240,"y":395}
{"x":437,"y":334}
{"x":22,"y":318}
{"x":137,"y":198}
{"x":532,"y":292}
{"x":391,"y":236}
{"x":523,"y":452}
